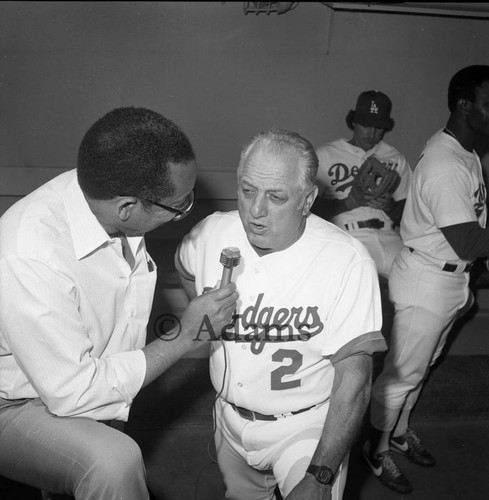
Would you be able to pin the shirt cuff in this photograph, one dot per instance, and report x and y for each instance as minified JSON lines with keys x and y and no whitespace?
{"x":129,"y":370}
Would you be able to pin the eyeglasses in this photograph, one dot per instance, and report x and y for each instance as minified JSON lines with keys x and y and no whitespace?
{"x":181,"y":212}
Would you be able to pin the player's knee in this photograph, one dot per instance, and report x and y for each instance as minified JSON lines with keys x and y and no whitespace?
{"x":117,"y":463}
{"x":412,"y":381}
{"x":294,"y":475}
{"x":125,"y":459}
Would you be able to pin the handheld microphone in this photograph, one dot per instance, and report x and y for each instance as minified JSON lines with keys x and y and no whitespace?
{"x":230,"y":257}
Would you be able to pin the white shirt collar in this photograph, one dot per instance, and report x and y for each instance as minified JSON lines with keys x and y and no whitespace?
{"x":86,"y":231}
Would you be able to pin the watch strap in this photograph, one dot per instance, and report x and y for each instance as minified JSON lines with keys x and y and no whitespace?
{"x":323,"y":474}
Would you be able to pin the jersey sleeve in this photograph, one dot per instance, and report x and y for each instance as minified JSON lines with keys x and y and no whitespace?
{"x":449,"y":199}
{"x":355,"y":320}
{"x":185,"y":255}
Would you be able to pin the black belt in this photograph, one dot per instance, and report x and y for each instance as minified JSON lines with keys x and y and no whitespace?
{"x":451,"y":268}
{"x":363,"y":224}
{"x":254,"y":415}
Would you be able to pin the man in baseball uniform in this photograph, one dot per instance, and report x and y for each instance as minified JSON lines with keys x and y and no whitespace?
{"x":371,"y":219}
{"x":443,"y":229}
{"x":293,"y":371}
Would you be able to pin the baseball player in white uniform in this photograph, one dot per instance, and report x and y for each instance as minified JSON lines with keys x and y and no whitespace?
{"x":293,"y":371}
{"x":374,"y":221}
{"x":443,"y":228}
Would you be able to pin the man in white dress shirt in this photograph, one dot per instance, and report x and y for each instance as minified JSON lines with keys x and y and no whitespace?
{"x":76,"y":293}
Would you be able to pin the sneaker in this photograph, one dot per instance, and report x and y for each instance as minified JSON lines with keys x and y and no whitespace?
{"x":386,"y":470}
{"x":409,"y":445}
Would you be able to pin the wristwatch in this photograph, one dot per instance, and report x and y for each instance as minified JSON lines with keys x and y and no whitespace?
{"x":323,"y":474}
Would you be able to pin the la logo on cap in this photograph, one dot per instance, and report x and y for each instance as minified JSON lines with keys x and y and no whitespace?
{"x":374,"y":110}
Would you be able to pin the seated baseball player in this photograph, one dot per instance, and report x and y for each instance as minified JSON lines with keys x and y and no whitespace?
{"x":293,"y":372}
{"x":363,"y":182}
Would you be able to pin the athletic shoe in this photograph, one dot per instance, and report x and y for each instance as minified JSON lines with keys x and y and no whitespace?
{"x":409,"y":445}
{"x":386,"y":470}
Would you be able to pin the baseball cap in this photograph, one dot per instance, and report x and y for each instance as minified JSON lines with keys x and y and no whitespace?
{"x":373,"y":109}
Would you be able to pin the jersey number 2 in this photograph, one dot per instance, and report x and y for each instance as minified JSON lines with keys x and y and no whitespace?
{"x":277,"y":384}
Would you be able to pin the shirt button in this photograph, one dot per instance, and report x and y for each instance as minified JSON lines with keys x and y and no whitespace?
{"x":243,"y":347}
{"x":239,"y":384}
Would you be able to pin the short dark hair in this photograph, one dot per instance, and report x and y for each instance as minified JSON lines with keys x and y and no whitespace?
{"x":464,"y":84}
{"x":127,"y":152}
{"x":277,"y":141}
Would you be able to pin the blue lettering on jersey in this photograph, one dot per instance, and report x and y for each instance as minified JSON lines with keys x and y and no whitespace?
{"x":340,"y":174}
{"x":344,"y":175}
{"x":260,"y":325}
{"x":480,"y":199}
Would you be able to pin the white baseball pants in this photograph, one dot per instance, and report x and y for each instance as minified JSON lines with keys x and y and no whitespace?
{"x":427,"y":301}
{"x":256,"y":456}
{"x":383,"y":245}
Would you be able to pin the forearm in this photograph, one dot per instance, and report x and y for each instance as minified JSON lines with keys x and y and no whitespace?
{"x":327,"y":208}
{"x":213,"y":309}
{"x":468,"y":240}
{"x":394,"y":211}
{"x":162,"y":354}
{"x":348,"y":404}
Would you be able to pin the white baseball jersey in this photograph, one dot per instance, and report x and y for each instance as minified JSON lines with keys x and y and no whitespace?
{"x":447,"y":189}
{"x":298,"y":309}
{"x":339,"y":162}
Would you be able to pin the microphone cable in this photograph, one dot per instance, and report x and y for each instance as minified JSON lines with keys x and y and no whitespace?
{"x":230,"y":258}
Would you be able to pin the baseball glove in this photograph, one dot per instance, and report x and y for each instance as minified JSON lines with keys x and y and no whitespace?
{"x":374,"y":180}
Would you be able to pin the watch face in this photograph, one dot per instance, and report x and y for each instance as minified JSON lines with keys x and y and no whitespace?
{"x":325,"y":475}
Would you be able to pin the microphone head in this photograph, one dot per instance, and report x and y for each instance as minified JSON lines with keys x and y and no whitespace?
{"x":230,"y":257}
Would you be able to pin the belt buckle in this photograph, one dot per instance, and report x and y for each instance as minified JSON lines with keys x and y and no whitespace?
{"x":245,"y":413}
{"x":451,"y":268}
